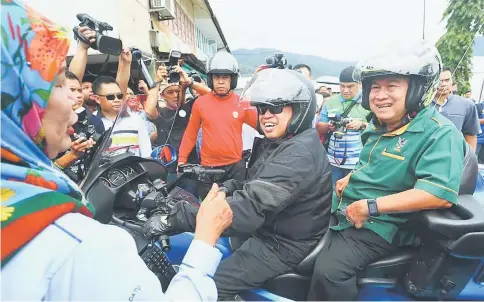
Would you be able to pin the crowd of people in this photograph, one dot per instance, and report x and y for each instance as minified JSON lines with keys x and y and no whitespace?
{"x":365,"y":156}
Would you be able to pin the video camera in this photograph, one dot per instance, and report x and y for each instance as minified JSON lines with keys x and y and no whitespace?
{"x":173,"y":75}
{"x":277,"y":61}
{"x":103,"y":43}
{"x":339,"y":124}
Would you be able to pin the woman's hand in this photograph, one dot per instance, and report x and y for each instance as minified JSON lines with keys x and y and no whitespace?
{"x":80,"y":146}
{"x":214,"y":216}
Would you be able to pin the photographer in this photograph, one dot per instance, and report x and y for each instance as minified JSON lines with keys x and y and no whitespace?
{"x":342,"y":120}
{"x":171,"y":120}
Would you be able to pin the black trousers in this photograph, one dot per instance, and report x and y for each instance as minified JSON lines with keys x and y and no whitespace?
{"x":349,"y":251}
{"x":235,"y":171}
{"x":252,"y":265}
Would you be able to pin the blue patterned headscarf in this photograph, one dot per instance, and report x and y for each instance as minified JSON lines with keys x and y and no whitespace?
{"x":33,"y":193}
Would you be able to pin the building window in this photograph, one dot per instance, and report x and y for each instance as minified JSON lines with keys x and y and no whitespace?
{"x":182,"y":26}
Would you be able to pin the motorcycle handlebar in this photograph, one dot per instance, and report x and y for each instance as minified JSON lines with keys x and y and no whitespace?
{"x":214,"y":171}
{"x":199,"y":170}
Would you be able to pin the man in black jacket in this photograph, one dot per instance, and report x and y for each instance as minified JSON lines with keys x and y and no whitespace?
{"x":285,"y":202}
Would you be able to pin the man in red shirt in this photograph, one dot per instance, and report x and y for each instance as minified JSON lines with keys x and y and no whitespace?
{"x":221,"y":117}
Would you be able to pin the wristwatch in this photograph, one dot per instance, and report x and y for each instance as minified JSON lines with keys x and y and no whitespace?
{"x":372,"y":207}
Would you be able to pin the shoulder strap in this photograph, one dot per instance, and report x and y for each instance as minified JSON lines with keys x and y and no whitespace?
{"x":348,"y":109}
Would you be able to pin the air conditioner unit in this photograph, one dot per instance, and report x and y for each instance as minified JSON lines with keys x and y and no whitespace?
{"x":164,"y":8}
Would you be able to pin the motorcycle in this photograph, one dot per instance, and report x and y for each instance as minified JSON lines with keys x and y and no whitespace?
{"x":447,"y":262}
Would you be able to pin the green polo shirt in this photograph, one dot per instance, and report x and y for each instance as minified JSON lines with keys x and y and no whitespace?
{"x":425,"y":154}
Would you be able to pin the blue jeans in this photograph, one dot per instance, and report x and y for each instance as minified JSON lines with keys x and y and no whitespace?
{"x":480,"y":153}
{"x":338,"y":173}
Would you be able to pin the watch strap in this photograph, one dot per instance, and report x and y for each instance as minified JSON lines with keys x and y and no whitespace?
{"x":372,"y":207}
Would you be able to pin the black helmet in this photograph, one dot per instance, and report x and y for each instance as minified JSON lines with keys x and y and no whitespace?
{"x":420,"y":63}
{"x":223,"y":63}
{"x":284,"y":87}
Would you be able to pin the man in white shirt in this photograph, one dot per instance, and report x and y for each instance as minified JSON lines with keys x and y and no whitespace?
{"x":130,"y":130}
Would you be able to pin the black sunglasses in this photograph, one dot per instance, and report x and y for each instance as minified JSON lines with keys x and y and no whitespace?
{"x":112,"y":96}
{"x":261,"y":109}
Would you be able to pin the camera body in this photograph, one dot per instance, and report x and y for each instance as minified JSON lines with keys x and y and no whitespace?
{"x":339,"y":124}
{"x":103,"y":43}
{"x":173,"y":75}
{"x":83,"y":128}
{"x":195,"y":77}
{"x":277,"y":61}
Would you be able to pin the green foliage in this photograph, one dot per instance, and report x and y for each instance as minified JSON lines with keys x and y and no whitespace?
{"x":464,"y":20}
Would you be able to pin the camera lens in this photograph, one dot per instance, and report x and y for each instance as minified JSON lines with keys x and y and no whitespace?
{"x":173,"y":77}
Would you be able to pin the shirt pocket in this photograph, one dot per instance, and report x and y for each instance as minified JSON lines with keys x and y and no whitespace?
{"x":385,"y":153}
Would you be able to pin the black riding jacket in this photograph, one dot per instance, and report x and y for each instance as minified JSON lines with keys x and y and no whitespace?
{"x":285,"y":201}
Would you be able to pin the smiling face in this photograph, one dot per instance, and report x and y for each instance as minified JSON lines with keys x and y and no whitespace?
{"x":274,"y":120}
{"x":387,"y":100}
{"x":59,"y":117}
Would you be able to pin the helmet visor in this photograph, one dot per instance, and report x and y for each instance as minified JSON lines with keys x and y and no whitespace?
{"x":275,"y":87}
{"x":421,"y":59}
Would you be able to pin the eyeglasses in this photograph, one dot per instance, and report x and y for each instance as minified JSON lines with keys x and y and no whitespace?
{"x":272,"y":109}
{"x":112,"y":96}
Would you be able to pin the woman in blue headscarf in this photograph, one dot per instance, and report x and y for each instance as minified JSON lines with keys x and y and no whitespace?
{"x":51,"y":249}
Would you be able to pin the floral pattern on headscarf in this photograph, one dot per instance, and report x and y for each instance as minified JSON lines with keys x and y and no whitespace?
{"x":33,"y":193}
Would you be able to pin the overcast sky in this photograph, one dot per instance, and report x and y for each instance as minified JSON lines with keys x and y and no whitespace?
{"x":334,"y":29}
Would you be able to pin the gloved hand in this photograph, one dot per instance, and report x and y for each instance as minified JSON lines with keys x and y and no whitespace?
{"x":157,"y":225}
{"x":229,"y":186}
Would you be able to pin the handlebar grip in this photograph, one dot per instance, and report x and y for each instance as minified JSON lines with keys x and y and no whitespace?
{"x":165,"y":243}
{"x":214,"y":171}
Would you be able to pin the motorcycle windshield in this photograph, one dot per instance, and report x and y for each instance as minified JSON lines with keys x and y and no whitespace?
{"x":114,"y":141}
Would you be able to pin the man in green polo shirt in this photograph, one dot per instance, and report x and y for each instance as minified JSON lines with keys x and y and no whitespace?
{"x":412,"y":160}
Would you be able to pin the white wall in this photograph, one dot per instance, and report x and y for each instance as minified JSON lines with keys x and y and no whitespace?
{"x":477,"y":78}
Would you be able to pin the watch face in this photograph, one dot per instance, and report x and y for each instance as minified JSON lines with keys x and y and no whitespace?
{"x":372,"y":207}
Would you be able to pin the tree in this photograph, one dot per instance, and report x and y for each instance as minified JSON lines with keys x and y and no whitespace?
{"x":464,"y":22}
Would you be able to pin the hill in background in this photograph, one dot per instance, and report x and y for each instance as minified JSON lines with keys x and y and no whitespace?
{"x":250,"y":59}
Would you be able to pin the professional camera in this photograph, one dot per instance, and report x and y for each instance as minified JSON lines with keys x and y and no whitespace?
{"x":83,"y":128}
{"x":104,"y":44}
{"x":339,"y":125}
{"x":173,"y":75}
{"x":277,"y":61}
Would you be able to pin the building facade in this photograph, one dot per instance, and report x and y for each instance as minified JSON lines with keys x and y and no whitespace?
{"x":153,"y":26}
